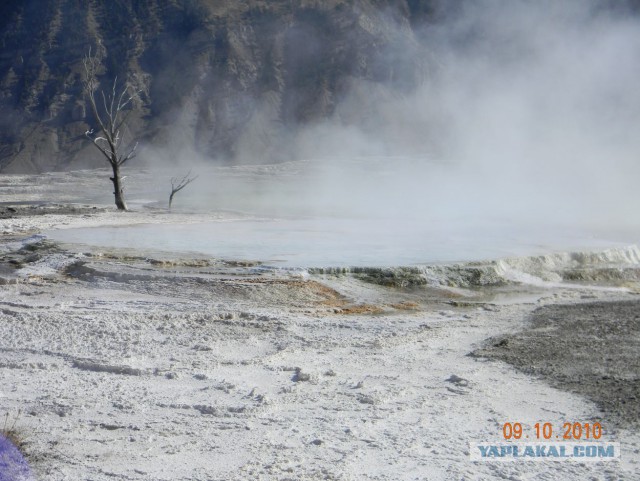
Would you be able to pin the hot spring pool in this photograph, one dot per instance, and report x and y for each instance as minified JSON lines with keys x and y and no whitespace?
{"x":343,"y":242}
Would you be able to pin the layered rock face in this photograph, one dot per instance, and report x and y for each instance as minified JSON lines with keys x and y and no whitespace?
{"x":223,"y":79}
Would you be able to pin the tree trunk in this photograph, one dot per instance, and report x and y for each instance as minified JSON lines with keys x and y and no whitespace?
{"x":118,"y":190}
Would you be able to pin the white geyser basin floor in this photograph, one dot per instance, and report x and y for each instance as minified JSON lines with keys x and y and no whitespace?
{"x":121,"y":365}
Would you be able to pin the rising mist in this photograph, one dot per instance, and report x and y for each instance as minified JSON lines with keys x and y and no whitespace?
{"x":526,"y":112}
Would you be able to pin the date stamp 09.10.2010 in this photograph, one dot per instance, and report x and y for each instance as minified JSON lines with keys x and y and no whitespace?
{"x":545,"y":441}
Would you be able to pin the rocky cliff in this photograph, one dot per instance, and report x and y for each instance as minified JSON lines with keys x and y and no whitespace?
{"x":238,"y":81}
{"x":230,"y":80}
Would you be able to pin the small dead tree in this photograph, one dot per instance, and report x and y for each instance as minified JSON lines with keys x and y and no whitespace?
{"x":177,"y":184}
{"x":110,"y":113}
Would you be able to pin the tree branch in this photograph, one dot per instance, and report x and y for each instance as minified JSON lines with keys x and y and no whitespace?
{"x":129,"y":156}
{"x":177,"y":184}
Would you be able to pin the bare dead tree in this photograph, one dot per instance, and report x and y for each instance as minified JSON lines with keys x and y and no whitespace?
{"x":177,"y":184}
{"x":110,"y":113}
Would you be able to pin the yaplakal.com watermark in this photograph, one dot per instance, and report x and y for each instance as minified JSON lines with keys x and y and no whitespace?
{"x":581,"y":452}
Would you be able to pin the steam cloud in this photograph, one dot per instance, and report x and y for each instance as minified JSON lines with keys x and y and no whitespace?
{"x":528,"y":111}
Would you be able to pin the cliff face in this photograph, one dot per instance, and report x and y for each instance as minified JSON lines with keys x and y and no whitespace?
{"x":225,"y":79}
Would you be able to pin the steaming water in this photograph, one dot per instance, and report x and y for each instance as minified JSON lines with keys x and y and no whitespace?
{"x":364,"y":212}
{"x":345,"y":242}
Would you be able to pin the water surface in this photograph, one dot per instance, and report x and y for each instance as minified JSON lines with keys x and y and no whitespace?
{"x":342,"y":242}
